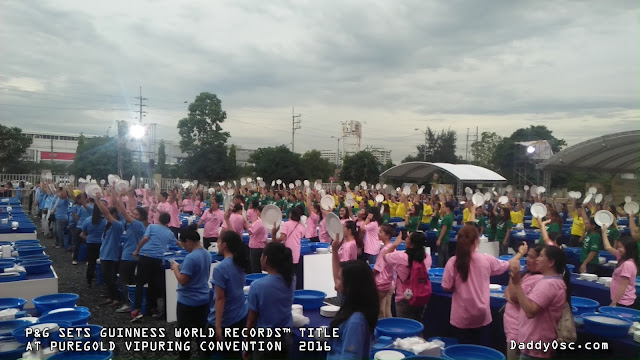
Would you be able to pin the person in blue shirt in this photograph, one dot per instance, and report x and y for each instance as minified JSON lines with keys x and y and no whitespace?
{"x":228,"y":309}
{"x":357,"y":318}
{"x":61,"y":213}
{"x":83,"y":210}
{"x":92,"y":229}
{"x":271,"y":297}
{"x":110,"y":251}
{"x":150,"y":253}
{"x":135,"y":225}
{"x":193,"y":287}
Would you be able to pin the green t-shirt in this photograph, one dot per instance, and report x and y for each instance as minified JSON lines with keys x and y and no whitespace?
{"x":591,"y":242}
{"x":447,"y":221}
{"x":289,"y":205}
{"x":280,"y":204}
{"x":552,"y":230}
{"x":386,"y":218}
{"x":433,"y":225}
{"x":501,"y":229}
{"x":413,"y":224}
{"x":480,"y":223}
{"x":613,"y":234}
{"x":491,"y":232}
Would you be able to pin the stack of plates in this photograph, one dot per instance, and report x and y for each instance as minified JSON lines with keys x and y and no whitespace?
{"x":388,"y":355}
{"x":612,"y":262}
{"x":329,"y":310}
{"x":606,"y":281}
{"x":495,"y":287}
{"x":588,"y":277}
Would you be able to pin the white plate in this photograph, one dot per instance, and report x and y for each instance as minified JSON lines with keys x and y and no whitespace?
{"x":478,"y":199}
{"x":592,"y":190}
{"x":334,"y":226}
{"x":93,"y":190}
{"x":306,"y":183}
{"x":588,"y":277}
{"x":349,"y":202}
{"x":587,"y":198}
{"x":279,"y":182}
{"x":349,"y":196}
{"x":249,"y":180}
{"x":298,"y":183}
{"x":503,"y":200}
{"x":487,"y":196}
{"x":578,"y":195}
{"x":270,"y":214}
{"x":122,"y":186}
{"x":338,"y":188}
{"x":378,"y":186}
{"x":230,"y":192}
{"x":631,"y":207}
{"x":509,"y":188}
{"x":318,"y":187}
{"x":379,"y":198}
{"x":526,"y":187}
{"x":363,"y":184}
{"x":406,"y":190}
{"x":495,"y":287}
{"x":469,"y":196}
{"x":468,"y":190}
{"x":627,"y":199}
{"x":538,"y":210}
{"x":291,"y":186}
{"x":388,"y":355}
{"x":420,"y":191}
{"x":533,"y":189}
{"x":604,"y":217}
{"x":598,"y":198}
{"x":541,"y":189}
{"x":608,"y":198}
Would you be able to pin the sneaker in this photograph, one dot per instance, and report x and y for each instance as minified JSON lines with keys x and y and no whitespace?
{"x":136,"y":315}
{"x":74,"y":262}
{"x":123,"y":309}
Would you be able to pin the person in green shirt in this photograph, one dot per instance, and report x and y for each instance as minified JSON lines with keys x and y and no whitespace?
{"x":554,"y":228}
{"x":591,"y":245}
{"x":503,"y":229}
{"x":386,"y":215}
{"x":492,"y":223}
{"x":613,"y":234}
{"x":480,"y":221}
{"x":280,"y":202}
{"x":444,"y":226}
{"x":435,"y":218}
{"x":412,"y":220}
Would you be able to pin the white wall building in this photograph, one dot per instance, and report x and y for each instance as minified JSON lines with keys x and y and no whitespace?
{"x":380,"y":154}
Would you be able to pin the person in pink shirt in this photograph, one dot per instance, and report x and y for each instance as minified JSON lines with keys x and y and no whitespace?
{"x":349,"y":248}
{"x":344,"y":214}
{"x":323,"y":234}
{"x":290,"y":234}
{"x":543,"y":305}
{"x":257,"y":240}
{"x":315,"y":216}
{"x":401,"y":262}
{"x":253,"y":213}
{"x":198,"y":204}
{"x":383,"y":272}
{"x":173,"y":202}
{"x":623,"y":292}
{"x":467,"y":275}
{"x":187,"y":205}
{"x":371,"y":228}
{"x":511,"y":319}
{"x":212,"y":219}
{"x":233,"y":219}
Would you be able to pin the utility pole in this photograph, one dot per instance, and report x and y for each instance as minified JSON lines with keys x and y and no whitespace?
{"x":295,"y":125}
{"x":141,"y":99}
{"x":338,"y":152}
{"x":51,"y":156}
{"x":472,"y":137}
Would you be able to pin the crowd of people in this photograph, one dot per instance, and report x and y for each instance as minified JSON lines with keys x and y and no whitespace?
{"x":368,"y":269}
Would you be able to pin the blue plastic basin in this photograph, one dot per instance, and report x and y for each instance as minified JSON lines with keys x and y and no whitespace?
{"x":75,"y":317}
{"x":399,"y":328}
{"x":309,"y":299}
{"x":505,"y":257}
{"x":12,"y":303}
{"x":436,"y":272}
{"x":7,"y":327}
{"x":36,"y":266}
{"x":253,"y":277}
{"x":625,"y":313}
{"x":32,"y":258}
{"x":571,"y":268}
{"x":620,"y":329}
{"x":54,"y":301}
{"x":305,"y":249}
{"x":436,"y":284}
{"x":20,"y":336}
{"x":405,"y":353}
{"x":471,"y":352}
{"x":20,"y":243}
{"x":14,"y":349}
{"x":584,"y":305}
{"x":30,"y":250}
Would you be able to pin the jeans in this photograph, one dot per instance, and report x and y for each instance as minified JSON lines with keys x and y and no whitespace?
{"x":150,"y":271}
{"x":404,"y":310}
{"x":77,"y":241}
{"x":175,"y":231}
{"x":443,"y":254}
{"x":254,"y":258}
{"x":191,"y":317}
{"x":110,"y":276}
{"x":61,"y":225}
{"x":93,"y":252}
{"x":371,"y":259}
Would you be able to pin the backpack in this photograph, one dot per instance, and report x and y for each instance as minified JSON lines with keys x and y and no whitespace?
{"x":419,"y":285}
{"x":566,"y":327}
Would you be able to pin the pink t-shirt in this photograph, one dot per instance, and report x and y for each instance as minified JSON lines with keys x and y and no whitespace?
{"x":323,"y":235}
{"x":312,"y":226}
{"x":470,"y":300}
{"x":399,"y":261}
{"x":629,"y":271}
{"x":293,"y":232}
{"x":187,"y":205}
{"x":371,"y":239}
{"x":164,"y":207}
{"x":348,"y":251}
{"x":237,"y":223}
{"x":140,"y":192}
{"x":154,"y":216}
{"x":197,"y":207}
{"x":212,"y":222}
{"x":252,"y":215}
{"x":258,"y":232}
{"x":550,"y":294}
{"x":384,"y":275}
{"x":175,"y":215}
{"x":512,"y":311}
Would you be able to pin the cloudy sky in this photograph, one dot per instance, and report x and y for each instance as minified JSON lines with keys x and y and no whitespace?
{"x":71,"y":66}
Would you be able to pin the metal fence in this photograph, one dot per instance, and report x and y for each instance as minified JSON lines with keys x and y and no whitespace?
{"x":16,"y":178}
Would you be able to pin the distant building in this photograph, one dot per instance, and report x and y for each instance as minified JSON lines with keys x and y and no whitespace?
{"x":62,"y":147}
{"x":351,"y":135}
{"x":380,"y":154}
{"x":242,"y":156}
{"x":330,"y":155}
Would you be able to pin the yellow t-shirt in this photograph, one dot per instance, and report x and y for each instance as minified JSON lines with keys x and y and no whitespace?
{"x":401,"y":210}
{"x":392,"y":209}
{"x":465,"y":215}
{"x":517,"y":217}
{"x":593,"y":211}
{"x":577,"y":228}
{"x":427,"y":212}
{"x":371,"y":203}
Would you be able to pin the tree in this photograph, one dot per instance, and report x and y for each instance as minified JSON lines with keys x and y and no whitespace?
{"x":361,"y":166}
{"x":161,"y":166}
{"x":483,"y":149}
{"x":315,"y":167}
{"x":440,"y":147}
{"x":98,"y":157}
{"x":388,"y":165}
{"x":203,"y":140}
{"x":277,"y":163}
{"x":233,"y":166}
{"x":13,"y":144}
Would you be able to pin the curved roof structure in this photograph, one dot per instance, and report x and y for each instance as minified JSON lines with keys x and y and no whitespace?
{"x":418,"y":170}
{"x":619,"y":153}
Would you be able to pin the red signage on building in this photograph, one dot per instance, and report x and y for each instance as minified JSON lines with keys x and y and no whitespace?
{"x":46,"y":155}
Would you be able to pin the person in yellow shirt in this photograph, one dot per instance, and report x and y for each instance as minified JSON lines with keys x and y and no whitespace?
{"x":578,"y":227}
{"x":401,"y":209}
{"x":465,"y":213}
{"x":517,"y":214}
{"x":427,"y":211}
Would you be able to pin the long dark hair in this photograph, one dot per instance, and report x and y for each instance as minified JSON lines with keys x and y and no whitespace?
{"x":295,"y":214}
{"x":467,"y":237}
{"x":376,"y":214}
{"x":555,"y":217}
{"x":96,"y":215}
{"x":360,"y":294}
{"x":506,"y":213}
{"x":280,"y":258}
{"x":355,"y":232}
{"x":538,"y":249}
{"x":630,"y":252}
{"x":318,"y":211}
{"x":560,"y":265}
{"x":114,"y":212}
{"x":389,"y":229}
{"x":237,"y":248}
{"x":416,"y":251}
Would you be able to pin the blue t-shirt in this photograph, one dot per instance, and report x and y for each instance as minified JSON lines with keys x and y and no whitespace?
{"x":135,"y":232}
{"x":229,"y":277}
{"x":62,"y":209}
{"x":160,"y":237}
{"x":272,"y":300}
{"x":51,"y":200}
{"x":73,"y":210}
{"x":354,"y":341}
{"x":110,"y":249}
{"x":94,"y":232}
{"x":197,"y":264}
{"x":84,"y":213}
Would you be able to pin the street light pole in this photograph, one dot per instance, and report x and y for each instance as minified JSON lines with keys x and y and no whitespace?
{"x":424,"y":150}
{"x":338,"y":152}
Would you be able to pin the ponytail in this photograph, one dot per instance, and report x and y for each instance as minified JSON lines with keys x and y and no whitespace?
{"x":466,"y":240}
{"x":236,"y":247}
{"x":280,"y":258}
{"x":190,"y":234}
{"x":559,"y":258}
{"x":416,"y":251}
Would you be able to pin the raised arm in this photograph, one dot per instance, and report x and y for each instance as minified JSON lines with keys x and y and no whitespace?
{"x":605,"y":241}
{"x":105,"y":211}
